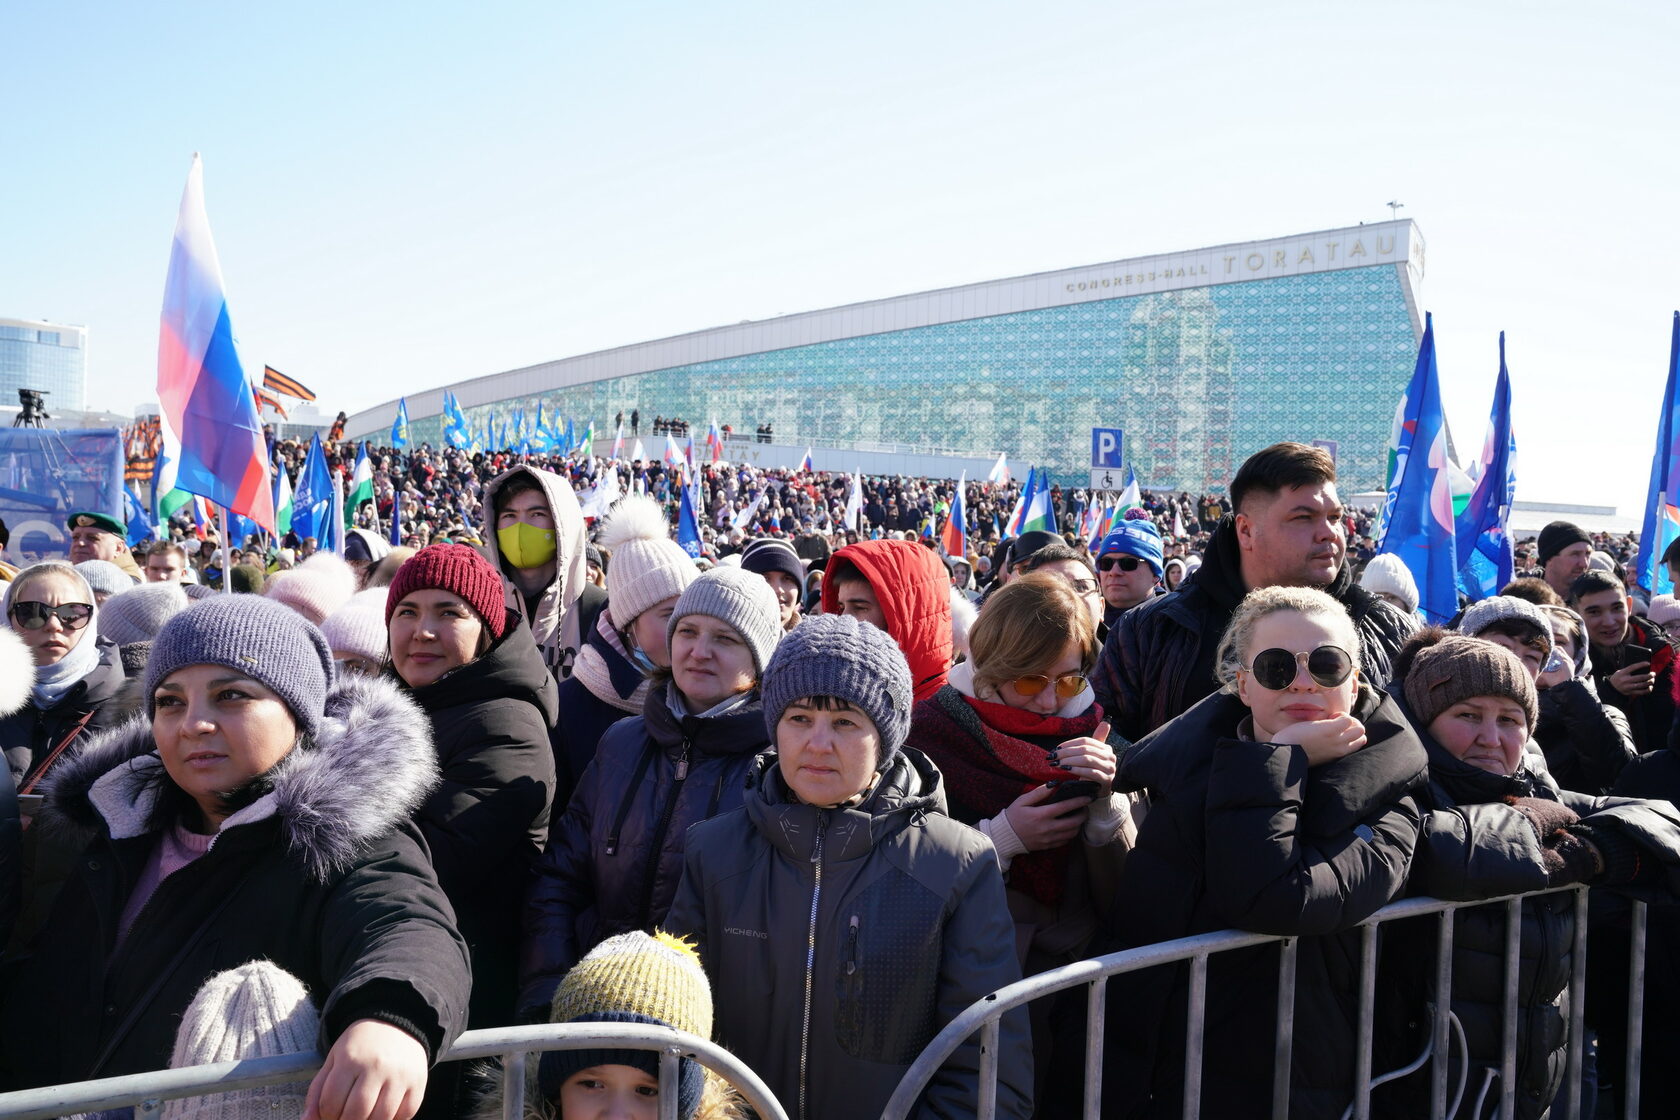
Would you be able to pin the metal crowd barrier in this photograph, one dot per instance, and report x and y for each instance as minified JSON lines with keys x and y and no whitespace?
{"x":147,"y":1092}
{"x":985,"y":1014}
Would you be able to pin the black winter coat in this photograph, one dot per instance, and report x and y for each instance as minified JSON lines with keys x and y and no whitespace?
{"x":584,"y":715}
{"x":487,"y":821}
{"x":325,"y":876}
{"x":29,"y":734}
{"x":1586,"y":742}
{"x":616,"y":856}
{"x":847,"y":938}
{"x":1158,"y":658}
{"x":1472,"y":845}
{"x":1650,"y":717}
{"x":1244,"y":835}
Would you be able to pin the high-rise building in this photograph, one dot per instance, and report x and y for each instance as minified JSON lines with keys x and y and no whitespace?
{"x":1200,"y":357}
{"x":49,"y":357}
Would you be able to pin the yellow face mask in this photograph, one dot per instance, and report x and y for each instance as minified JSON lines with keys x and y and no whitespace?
{"x":526,"y":546}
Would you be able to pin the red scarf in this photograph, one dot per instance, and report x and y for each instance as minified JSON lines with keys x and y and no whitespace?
{"x":984,"y":775}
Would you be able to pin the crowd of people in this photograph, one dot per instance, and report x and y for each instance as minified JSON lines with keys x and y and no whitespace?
{"x":818,"y":790}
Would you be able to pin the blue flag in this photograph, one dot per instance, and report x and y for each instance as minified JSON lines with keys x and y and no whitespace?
{"x":688,"y":517}
{"x":399,"y":426}
{"x":313,"y":497}
{"x":454,"y":422}
{"x":1662,"y":501}
{"x":1420,"y":526}
{"x":134,"y":512}
{"x":396,"y":518}
{"x":1485,"y":559}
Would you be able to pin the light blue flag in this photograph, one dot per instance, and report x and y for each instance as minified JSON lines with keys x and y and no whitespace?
{"x":1420,"y":528}
{"x":134,"y":512}
{"x":313,"y":497}
{"x":1662,"y":501}
{"x":454,"y":423}
{"x":1485,"y":556}
{"x":399,"y":426}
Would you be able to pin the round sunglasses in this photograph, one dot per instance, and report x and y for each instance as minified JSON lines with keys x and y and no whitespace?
{"x":1275,"y":669}
{"x":1068,"y":685}
{"x":33,"y":616}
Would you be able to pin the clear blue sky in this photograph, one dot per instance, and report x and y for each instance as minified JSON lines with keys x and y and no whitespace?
{"x":405,"y":195}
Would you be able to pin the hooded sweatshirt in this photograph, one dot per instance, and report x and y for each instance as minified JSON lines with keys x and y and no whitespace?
{"x":557,"y":619}
{"x":915,"y":596}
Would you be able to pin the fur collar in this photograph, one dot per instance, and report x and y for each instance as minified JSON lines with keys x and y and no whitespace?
{"x":370,"y":768}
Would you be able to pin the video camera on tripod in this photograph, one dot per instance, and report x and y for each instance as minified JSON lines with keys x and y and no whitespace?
{"x":33,"y":409}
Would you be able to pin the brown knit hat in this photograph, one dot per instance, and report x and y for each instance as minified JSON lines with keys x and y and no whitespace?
{"x":459,"y":570}
{"x":1457,"y":668}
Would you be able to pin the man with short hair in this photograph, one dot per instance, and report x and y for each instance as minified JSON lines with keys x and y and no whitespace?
{"x":165,"y":562}
{"x":99,"y":536}
{"x":1633,"y":663}
{"x":1564,"y":550}
{"x":1129,"y":565}
{"x":1286,"y":529}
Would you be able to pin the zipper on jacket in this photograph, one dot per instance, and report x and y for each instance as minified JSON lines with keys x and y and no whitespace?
{"x":851,"y":946}
{"x":811,"y":957}
{"x":629,"y":800}
{"x":664,"y":826}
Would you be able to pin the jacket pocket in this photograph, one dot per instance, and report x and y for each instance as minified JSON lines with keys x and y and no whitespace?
{"x":887,"y":960}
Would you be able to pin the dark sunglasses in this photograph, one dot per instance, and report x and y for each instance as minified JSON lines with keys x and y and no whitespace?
{"x":1275,"y":669}
{"x":1124,"y":563}
{"x":33,"y":616}
{"x":1068,"y":685}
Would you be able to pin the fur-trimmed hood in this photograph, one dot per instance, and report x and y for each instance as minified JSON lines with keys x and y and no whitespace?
{"x":370,"y":767}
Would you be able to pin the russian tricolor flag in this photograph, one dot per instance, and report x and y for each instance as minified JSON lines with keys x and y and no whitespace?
{"x":953,"y":538}
{"x":210,"y":417}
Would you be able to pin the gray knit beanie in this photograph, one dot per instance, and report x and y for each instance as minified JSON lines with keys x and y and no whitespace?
{"x":136,"y":615}
{"x":836,"y":655}
{"x":738,"y":598}
{"x":1458,"y":668}
{"x":1478,"y":616}
{"x":102,"y":575}
{"x":254,"y":636}
{"x":258,"y":1010}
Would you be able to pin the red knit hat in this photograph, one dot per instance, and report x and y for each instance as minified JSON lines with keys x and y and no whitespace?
{"x":459,"y":570}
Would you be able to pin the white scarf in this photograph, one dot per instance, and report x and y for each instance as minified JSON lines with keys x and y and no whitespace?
{"x":52,"y":682}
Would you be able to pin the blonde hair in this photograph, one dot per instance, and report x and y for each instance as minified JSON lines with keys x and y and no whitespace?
{"x":1305,"y":601}
{"x":1026,"y":625}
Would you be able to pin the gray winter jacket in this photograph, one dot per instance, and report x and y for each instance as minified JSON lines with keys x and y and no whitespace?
{"x":847,"y":937}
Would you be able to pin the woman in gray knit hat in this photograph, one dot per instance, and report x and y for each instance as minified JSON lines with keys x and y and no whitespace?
{"x":843,"y":901}
{"x":257,"y":811}
{"x":614,"y":857}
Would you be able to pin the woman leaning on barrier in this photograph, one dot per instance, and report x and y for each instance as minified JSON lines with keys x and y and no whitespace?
{"x":1493,"y":825}
{"x":255,"y":812}
{"x":1282,"y":804}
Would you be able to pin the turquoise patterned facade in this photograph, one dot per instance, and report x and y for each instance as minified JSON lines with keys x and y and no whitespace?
{"x":1198,"y":379}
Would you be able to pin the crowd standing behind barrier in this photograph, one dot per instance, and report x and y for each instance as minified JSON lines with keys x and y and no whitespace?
{"x":1223,"y":758}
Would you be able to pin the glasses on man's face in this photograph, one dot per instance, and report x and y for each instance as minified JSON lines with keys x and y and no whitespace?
{"x":1068,"y":685}
{"x":33,"y":616}
{"x":1124,"y":563}
{"x":1275,"y":669}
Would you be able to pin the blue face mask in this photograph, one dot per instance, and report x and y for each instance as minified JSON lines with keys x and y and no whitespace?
{"x":639,"y":659}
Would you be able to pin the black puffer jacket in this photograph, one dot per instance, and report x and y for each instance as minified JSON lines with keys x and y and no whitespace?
{"x":1158,"y":659}
{"x":1244,"y":835}
{"x":487,"y":820}
{"x":326,"y":876}
{"x":846,"y":938}
{"x":29,"y":734}
{"x":1473,"y":845}
{"x":616,"y":855}
{"x":1586,"y":742}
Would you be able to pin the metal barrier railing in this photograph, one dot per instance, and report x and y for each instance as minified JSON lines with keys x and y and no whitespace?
{"x":146,"y":1092}
{"x":986,"y":1014}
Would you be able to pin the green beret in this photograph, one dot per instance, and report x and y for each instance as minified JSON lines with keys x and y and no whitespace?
{"x":93,"y":519}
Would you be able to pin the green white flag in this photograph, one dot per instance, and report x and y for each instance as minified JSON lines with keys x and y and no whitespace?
{"x":283,"y":502}
{"x":361,"y":486}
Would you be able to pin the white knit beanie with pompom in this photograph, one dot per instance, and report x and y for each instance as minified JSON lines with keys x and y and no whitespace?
{"x":647,"y":566}
{"x":258,"y":1010}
